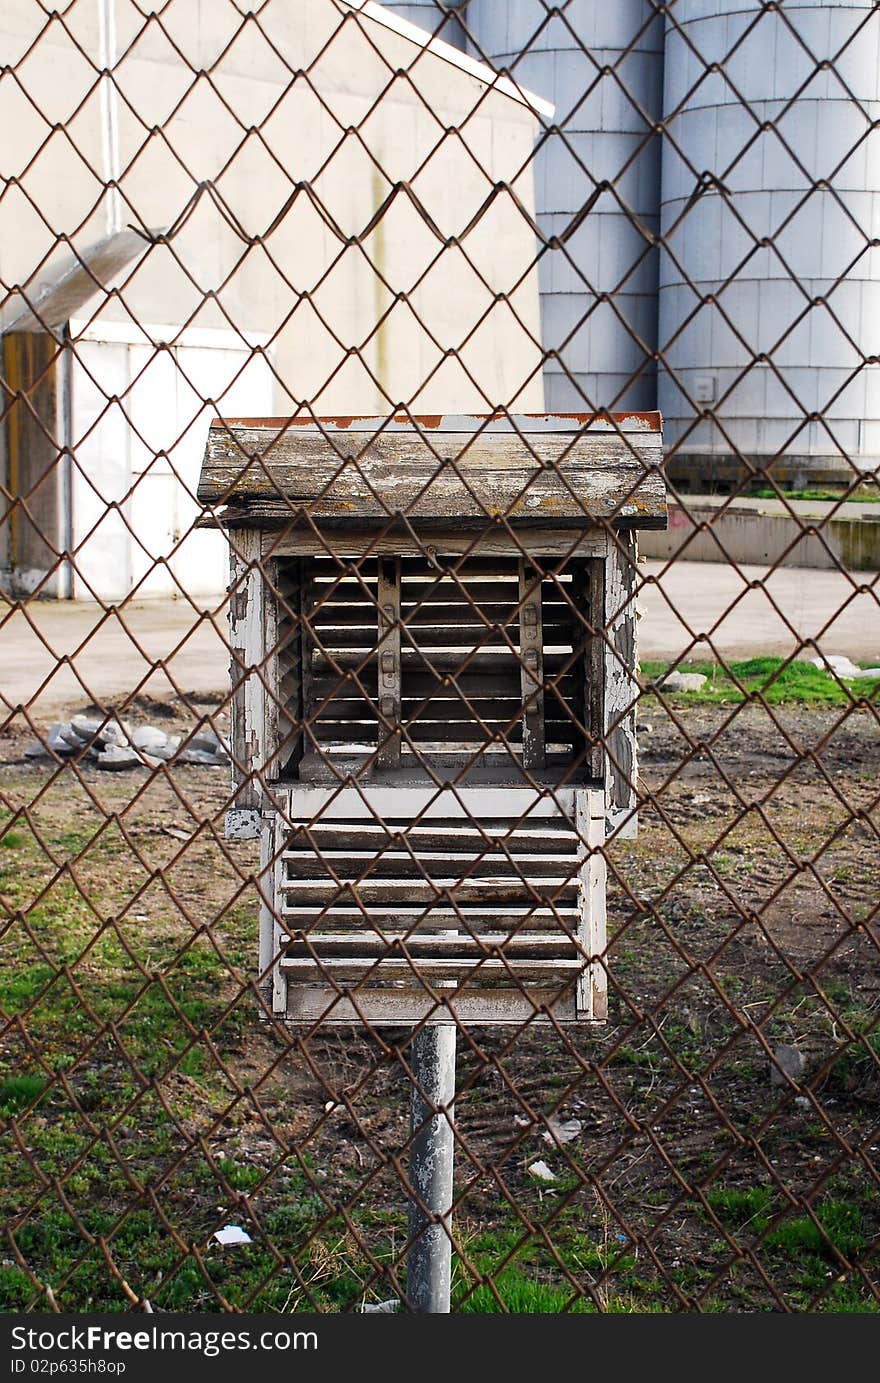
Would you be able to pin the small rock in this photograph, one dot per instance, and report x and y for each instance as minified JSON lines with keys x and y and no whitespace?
{"x":149,"y":738}
{"x":117,"y":757}
{"x":199,"y":756}
{"x":90,"y":728}
{"x":683,"y":681}
{"x":72,"y":738}
{"x":86,"y":727}
{"x":167,"y":750}
{"x":56,"y":742}
{"x":114,"y":734}
{"x":208,"y":742}
{"x":791,"y":1062}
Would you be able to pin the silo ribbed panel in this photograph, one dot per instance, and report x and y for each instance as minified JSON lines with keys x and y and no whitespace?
{"x":783,"y":246}
{"x":602,"y":65}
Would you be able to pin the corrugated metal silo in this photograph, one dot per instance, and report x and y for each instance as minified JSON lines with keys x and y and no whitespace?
{"x":429,"y":15}
{"x":602,"y":66}
{"x":791,"y":264}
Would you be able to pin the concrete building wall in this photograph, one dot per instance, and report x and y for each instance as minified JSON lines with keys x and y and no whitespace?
{"x":300,"y":154}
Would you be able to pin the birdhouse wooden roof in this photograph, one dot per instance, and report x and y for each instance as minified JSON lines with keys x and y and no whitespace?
{"x":525,"y":471}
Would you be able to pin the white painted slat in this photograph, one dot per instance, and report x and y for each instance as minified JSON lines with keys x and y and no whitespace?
{"x":305,"y":804}
{"x":408,"y":1006}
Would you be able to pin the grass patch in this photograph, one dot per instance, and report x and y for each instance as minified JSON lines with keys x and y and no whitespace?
{"x":17,"y":1092}
{"x":861,"y":496}
{"x":522,"y":1296}
{"x":738,"y":1207}
{"x":838,"y":1227}
{"x":768,"y":679}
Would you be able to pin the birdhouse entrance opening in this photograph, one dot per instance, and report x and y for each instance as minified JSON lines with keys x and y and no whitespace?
{"x":403,"y":666}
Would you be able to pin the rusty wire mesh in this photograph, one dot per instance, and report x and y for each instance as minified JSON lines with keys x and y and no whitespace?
{"x":294,"y":212}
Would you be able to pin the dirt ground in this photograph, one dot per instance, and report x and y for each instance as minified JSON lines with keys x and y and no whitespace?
{"x":686,"y":1173}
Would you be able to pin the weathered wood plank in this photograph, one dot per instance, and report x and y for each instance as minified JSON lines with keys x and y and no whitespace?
{"x":389,"y":663}
{"x":327,"y":729}
{"x":308,"y":892}
{"x":283,"y":537}
{"x":592,"y":988}
{"x":346,"y":969}
{"x":475,"y":918}
{"x":491,"y":945}
{"x":449,"y":839}
{"x":454,"y":709}
{"x":254,"y":669}
{"x":408,"y":1005}
{"x":496,"y":660}
{"x":531,"y":641}
{"x":515,"y":804}
{"x":621,"y":687}
{"x":554,"y":478}
{"x":351,"y":866}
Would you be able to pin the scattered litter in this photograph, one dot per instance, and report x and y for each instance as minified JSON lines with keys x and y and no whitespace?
{"x":841,"y":666}
{"x":521,"y":1122}
{"x":562,"y":1130}
{"x":540,"y":1170}
{"x":231,"y":1234}
{"x":176,"y":832}
{"x":387,"y":1307}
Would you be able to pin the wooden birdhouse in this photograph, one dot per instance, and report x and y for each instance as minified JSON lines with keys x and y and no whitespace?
{"x":433,"y":635}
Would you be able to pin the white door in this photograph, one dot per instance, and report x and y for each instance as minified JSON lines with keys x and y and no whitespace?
{"x":139,"y":429}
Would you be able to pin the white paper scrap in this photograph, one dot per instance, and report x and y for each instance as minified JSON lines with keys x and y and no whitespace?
{"x":231,"y":1234}
{"x":541,"y":1171}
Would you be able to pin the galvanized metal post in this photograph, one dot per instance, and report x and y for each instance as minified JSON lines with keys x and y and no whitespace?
{"x":429,"y":1262}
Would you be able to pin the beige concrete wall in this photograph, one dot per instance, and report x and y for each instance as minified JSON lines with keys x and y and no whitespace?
{"x":844,"y":537}
{"x":268,"y":113}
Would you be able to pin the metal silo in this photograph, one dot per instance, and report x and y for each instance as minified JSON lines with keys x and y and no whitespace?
{"x":429,"y":15}
{"x":789,"y":264}
{"x":602,"y":66}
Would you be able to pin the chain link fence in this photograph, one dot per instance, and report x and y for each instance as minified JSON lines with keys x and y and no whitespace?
{"x":455,"y":751}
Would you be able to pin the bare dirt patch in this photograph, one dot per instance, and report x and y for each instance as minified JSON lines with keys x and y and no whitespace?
{"x":162,"y":1104}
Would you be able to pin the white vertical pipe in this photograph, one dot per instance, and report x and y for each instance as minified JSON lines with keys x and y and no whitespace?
{"x":107,"y":54}
{"x":429,"y":1261}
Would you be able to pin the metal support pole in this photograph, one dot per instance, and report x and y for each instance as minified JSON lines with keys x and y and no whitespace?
{"x":429,"y":1262}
